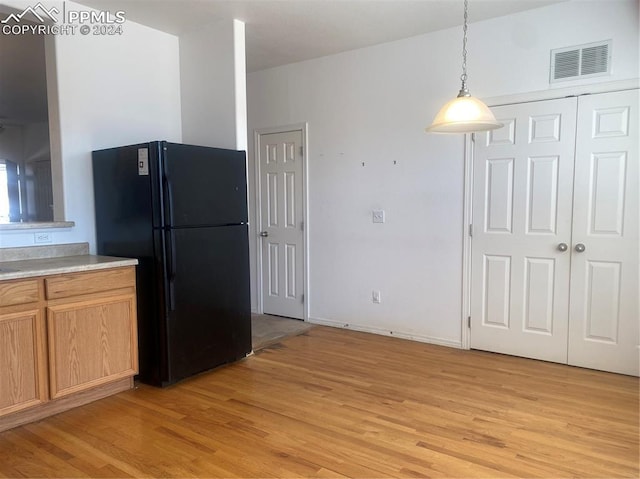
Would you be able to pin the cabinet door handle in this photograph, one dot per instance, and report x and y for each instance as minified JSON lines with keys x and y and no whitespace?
{"x":563,"y":247}
{"x":580,"y":248}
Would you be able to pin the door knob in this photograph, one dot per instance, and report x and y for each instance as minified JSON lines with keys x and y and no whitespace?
{"x":563,"y":247}
{"x":580,"y":248}
{"x":264,"y":234}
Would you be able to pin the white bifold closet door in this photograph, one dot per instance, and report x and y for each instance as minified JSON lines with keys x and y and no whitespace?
{"x":604,"y":313}
{"x":523,"y":177}
{"x":555,"y":232}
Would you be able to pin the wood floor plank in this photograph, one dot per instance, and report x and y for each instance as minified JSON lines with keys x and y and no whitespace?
{"x":337,"y":403}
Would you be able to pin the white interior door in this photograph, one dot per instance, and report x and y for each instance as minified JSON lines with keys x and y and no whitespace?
{"x":604,"y":313}
{"x":282,"y":222}
{"x":522,"y":201}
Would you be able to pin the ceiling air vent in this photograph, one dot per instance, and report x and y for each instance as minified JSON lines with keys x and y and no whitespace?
{"x":583,"y":61}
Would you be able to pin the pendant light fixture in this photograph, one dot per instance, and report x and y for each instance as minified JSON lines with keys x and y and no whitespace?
{"x":464,"y":114}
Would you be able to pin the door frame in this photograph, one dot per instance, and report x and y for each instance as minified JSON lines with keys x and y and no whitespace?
{"x":257,"y":134}
{"x":552,"y":94}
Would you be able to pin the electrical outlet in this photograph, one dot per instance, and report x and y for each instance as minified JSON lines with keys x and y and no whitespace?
{"x":42,"y":237}
{"x":375,"y":296}
{"x":377,"y":216}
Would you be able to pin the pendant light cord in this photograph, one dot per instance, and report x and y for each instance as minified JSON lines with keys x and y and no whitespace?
{"x":464,"y":91}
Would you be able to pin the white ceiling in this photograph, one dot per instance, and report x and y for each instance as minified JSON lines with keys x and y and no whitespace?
{"x":277,"y":32}
{"x":286,"y":31}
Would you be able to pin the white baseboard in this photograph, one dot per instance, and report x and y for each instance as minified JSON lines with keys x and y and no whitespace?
{"x":386,"y":332}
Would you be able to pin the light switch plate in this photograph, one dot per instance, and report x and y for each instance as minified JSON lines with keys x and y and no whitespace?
{"x":375,"y":296}
{"x":377,"y":216}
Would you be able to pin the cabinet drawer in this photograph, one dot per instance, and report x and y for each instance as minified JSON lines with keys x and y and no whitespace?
{"x":19,"y":292}
{"x":76,"y":284}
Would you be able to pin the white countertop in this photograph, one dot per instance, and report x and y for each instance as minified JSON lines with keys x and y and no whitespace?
{"x":64,"y":264}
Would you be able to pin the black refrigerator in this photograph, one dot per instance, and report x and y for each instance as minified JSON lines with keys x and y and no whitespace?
{"x":181,"y":210}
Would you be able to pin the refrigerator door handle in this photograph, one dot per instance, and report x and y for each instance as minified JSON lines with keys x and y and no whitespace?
{"x":167,"y":188}
{"x":171,"y":274}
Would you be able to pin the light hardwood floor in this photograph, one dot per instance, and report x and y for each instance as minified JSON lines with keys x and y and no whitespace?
{"x":333,"y":403}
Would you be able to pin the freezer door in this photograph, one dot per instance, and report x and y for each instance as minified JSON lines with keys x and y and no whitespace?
{"x":208,"y":298}
{"x":128,"y":201}
{"x":204,"y":186}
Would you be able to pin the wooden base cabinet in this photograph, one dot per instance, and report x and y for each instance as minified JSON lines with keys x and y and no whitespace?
{"x":86,"y":348}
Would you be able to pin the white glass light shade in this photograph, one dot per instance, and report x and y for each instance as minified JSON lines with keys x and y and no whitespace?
{"x":464,"y":114}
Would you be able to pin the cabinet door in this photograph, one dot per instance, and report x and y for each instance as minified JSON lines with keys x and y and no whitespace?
{"x":91,"y":342}
{"x":23,"y":375}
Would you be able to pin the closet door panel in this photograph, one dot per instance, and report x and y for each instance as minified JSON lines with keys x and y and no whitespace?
{"x":523,"y":175}
{"x":604,"y":312}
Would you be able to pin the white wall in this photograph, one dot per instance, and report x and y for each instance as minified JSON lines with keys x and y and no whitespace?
{"x":529,"y":37}
{"x":213,"y":85}
{"x":111,"y":90}
{"x":371,"y":105}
